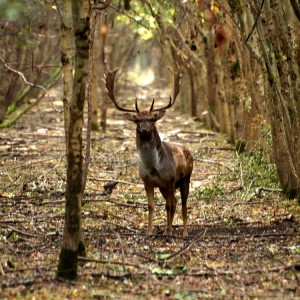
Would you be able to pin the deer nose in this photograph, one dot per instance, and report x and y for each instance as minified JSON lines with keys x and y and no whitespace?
{"x":144,"y":129}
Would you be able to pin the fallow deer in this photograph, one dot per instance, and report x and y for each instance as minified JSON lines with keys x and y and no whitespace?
{"x":167,"y":166}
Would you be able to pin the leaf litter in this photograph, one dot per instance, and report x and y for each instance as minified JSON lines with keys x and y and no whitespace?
{"x":242,"y":243}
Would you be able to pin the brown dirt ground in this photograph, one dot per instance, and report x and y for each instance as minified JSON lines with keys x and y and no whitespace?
{"x":240,"y":244}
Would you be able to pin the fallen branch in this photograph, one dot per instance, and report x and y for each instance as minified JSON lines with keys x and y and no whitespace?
{"x":266,"y":189}
{"x":149,"y":259}
{"x":254,"y":235}
{"x":107,"y":262}
{"x":178,"y":253}
{"x":13,"y":229}
{"x":27,"y":164}
{"x":27,"y":282}
{"x":293,"y":267}
{"x":121,"y":204}
{"x":116,"y":180}
{"x":94,"y":200}
{"x":112,"y":276}
{"x":185,"y":248}
{"x":124,"y":227}
{"x":214,"y":162}
{"x":216,"y":272}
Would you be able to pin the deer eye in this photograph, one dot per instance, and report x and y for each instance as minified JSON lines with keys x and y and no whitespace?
{"x":145,"y":120}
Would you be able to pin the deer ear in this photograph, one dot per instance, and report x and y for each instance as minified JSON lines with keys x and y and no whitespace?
{"x":158,"y":115}
{"x":130,"y":117}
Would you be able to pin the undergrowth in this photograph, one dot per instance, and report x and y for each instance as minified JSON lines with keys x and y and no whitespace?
{"x":255,"y":170}
{"x":252,"y":173}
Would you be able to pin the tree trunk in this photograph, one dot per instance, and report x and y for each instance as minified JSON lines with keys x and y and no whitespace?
{"x":96,"y":38}
{"x":288,"y":71}
{"x":211,"y":84}
{"x":73,"y":244}
{"x":222,"y":107}
{"x":284,"y":86}
{"x":67,"y":59}
{"x":192,"y":92}
{"x":103,"y":33}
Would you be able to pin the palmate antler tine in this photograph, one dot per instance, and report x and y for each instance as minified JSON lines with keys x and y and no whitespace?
{"x":109,"y":79}
{"x":136,"y":105}
{"x":177,"y":79}
{"x":152,"y":105}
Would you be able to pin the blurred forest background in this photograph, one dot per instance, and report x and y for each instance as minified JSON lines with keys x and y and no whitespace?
{"x":239,"y":61}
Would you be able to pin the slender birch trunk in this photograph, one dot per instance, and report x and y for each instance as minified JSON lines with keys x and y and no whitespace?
{"x":75,"y":14}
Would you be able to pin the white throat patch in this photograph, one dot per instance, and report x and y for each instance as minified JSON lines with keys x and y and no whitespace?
{"x":148,"y":159}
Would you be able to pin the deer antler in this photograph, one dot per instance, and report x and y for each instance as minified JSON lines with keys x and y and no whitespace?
{"x":177,"y":77}
{"x":109,"y":78}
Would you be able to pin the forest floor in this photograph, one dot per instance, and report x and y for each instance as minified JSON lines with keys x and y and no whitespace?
{"x":243,"y":235}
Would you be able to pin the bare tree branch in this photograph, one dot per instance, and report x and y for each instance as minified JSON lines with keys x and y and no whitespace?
{"x":89,"y":99}
{"x":255,"y":23}
{"x":26,"y":82}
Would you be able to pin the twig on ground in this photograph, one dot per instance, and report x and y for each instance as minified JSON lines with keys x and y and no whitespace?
{"x":215,"y":272}
{"x":52,"y":202}
{"x":107,"y":262}
{"x":18,"y":282}
{"x":185,"y":248}
{"x":95,"y":200}
{"x":13,"y":229}
{"x":27,"y":164}
{"x":116,"y":180}
{"x":178,"y":253}
{"x":122,"y":251}
{"x":254,"y":235}
{"x":122,"y":204}
{"x":213,"y":162}
{"x":122,"y":226}
{"x":149,"y":259}
{"x":95,"y":214}
{"x":266,"y":189}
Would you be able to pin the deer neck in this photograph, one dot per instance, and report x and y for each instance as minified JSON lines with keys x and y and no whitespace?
{"x":149,"y":149}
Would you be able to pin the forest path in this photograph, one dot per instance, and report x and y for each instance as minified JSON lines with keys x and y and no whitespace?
{"x":243,"y":241}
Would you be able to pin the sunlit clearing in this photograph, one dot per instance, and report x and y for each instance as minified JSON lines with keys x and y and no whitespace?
{"x":142,"y":77}
{"x":146,"y":77}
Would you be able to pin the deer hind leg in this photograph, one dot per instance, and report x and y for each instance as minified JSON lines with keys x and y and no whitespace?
{"x":169,"y":196}
{"x":150,"y":197}
{"x":184,"y":192}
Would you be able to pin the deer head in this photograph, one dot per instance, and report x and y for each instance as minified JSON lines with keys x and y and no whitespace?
{"x":145,"y":120}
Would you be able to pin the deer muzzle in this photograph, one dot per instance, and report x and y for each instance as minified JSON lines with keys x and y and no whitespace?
{"x":144,"y":129}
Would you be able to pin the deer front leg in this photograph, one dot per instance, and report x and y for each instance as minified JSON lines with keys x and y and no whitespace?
{"x":168,"y":194}
{"x":150,"y":197}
